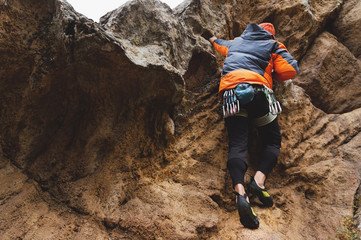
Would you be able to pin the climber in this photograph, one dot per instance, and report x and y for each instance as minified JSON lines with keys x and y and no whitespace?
{"x":252,"y":62}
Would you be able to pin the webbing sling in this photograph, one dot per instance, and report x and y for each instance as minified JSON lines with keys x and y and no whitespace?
{"x":258,"y":122}
{"x":264,"y":120}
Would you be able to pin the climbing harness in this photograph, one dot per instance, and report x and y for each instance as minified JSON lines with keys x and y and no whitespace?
{"x":243,"y":93}
{"x":264,"y":120}
{"x":273,"y":104}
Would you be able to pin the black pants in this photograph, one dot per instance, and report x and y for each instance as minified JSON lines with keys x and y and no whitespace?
{"x":237,"y":127}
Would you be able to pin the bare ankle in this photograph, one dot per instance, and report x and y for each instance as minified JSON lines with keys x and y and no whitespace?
{"x":241,"y":190}
{"x":260,"y":178}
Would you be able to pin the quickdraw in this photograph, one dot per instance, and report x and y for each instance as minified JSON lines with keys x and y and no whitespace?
{"x":231,"y":104}
{"x":274,"y":105}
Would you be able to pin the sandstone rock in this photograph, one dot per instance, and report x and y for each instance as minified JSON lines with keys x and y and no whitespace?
{"x":114,"y":130}
{"x":68,"y":91}
{"x":331,"y":75}
{"x":169,"y":128}
{"x":324,"y":170}
{"x":297,"y":23}
{"x":27,"y":212}
{"x":357,"y":208}
{"x":150,"y":34}
{"x":163,"y":211}
{"x":346,"y":26}
{"x":54,"y":98}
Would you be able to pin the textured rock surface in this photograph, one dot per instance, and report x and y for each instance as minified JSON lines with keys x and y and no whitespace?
{"x":114,"y":130}
{"x":331,"y":75}
{"x":346,"y":26}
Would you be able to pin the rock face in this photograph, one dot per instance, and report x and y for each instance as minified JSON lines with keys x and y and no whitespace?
{"x":114,"y":130}
{"x":346,"y":27}
{"x":333,"y":75}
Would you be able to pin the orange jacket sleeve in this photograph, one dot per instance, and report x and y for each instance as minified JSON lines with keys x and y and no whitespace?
{"x":222,"y":46}
{"x":285,"y":66}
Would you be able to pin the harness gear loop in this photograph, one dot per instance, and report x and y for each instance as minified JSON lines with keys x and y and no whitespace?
{"x":231,"y":105}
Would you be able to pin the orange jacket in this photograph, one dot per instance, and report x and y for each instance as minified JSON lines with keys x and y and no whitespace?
{"x":255,"y":57}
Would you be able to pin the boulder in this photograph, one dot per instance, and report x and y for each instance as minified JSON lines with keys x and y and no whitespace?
{"x":331,"y":75}
{"x":297,"y":23}
{"x":114,"y":130}
{"x":346,"y":27}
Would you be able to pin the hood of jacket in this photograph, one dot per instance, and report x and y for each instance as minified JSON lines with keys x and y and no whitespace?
{"x":256,"y":32}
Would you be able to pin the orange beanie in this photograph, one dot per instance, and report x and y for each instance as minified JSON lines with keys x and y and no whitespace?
{"x":268,"y":27}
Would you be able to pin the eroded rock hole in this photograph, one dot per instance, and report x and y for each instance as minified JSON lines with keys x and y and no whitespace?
{"x":202,"y":70}
{"x":70,"y":29}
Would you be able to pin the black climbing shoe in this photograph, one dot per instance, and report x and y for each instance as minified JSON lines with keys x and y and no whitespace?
{"x":246,"y":214}
{"x":262,"y":194}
